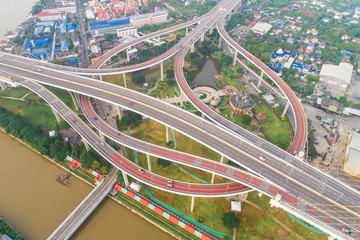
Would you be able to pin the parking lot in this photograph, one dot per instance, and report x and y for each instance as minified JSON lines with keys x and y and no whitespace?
{"x":336,"y":157}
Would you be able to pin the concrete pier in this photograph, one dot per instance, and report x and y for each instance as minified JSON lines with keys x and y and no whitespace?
{"x":148,"y":158}
{"x":124,"y":77}
{"x":87,"y":146}
{"x":235,"y":58}
{"x":192,"y":203}
{"x":168,"y":134}
{"x":75,"y":100}
{"x":286,"y":108}
{"x":57,"y":116}
{"x":162,"y":70}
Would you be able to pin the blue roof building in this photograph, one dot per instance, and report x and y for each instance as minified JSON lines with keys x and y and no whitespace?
{"x":346,"y":52}
{"x":64,"y":45}
{"x":38,"y":30}
{"x":46,"y":23}
{"x":297,"y":65}
{"x":109,"y":26}
{"x":71,"y":27}
{"x":26,"y":45}
{"x":63,"y":26}
{"x":42,"y":43}
{"x":39,"y":51}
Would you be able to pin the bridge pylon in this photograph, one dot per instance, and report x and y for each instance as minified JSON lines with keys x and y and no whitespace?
{"x":222,"y":159}
{"x":57,"y":116}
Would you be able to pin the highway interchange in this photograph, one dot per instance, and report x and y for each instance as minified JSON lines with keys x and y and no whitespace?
{"x":285,"y":171}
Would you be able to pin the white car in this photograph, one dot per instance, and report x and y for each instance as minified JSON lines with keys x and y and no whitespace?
{"x":262,"y":159}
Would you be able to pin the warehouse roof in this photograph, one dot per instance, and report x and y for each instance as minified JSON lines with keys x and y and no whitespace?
{"x":337,"y":74}
{"x":140,"y":16}
{"x":352,"y":165}
{"x":261,"y":28}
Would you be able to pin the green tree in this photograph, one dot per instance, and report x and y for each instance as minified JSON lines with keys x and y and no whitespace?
{"x":246,"y":118}
{"x":87,"y":158}
{"x":95,"y":165}
{"x":163,"y":163}
{"x":104,"y":169}
{"x":198,"y":61}
{"x":119,"y":176}
{"x":170,"y":73}
{"x":77,"y":150}
{"x":226,"y":60}
{"x":138,"y":78}
{"x":36,"y":9}
{"x":230,"y":220}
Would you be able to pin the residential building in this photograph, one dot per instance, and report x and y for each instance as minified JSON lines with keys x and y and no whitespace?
{"x":46,"y":16}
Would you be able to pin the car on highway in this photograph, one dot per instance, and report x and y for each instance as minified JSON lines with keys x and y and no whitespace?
{"x":170,"y":185}
{"x":141,"y":170}
{"x":262,"y":159}
{"x":73,"y":121}
{"x":103,"y":144}
{"x":171,"y":181}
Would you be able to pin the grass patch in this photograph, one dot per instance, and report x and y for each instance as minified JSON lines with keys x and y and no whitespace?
{"x":36,"y":114}
{"x":18,"y":92}
{"x":282,"y":216}
{"x":211,"y":219}
{"x":276,"y":131}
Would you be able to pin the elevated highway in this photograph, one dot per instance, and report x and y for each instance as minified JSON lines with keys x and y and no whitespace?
{"x":300,"y":119}
{"x":332,"y":204}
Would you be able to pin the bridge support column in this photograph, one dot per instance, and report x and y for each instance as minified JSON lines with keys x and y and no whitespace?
{"x":3,"y":86}
{"x":58,"y":119}
{"x":222,"y":159}
{"x":119,"y":112}
{"x":260,"y":81}
{"x":181,"y":99}
{"x":219,"y":41}
{"x":162,"y":70}
{"x":127,"y":55}
{"x":102,"y":136}
{"x":211,"y":30}
{"x":235,"y":58}
{"x":159,"y":40}
{"x":192,"y":49}
{"x":202,"y":37}
{"x":126,"y":180}
{"x":192,"y":203}
{"x":286,"y":108}
{"x":148,"y":158}
{"x":187,"y":31}
{"x":101,"y":78}
{"x":74,"y":98}
{"x":124,"y":77}
{"x":168,"y":134}
{"x":87,"y":146}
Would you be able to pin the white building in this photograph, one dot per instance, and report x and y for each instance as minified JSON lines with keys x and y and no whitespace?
{"x":261,"y":28}
{"x":127,"y":31}
{"x":90,"y":14}
{"x":352,"y":156}
{"x":95,"y":49}
{"x":337,"y":75}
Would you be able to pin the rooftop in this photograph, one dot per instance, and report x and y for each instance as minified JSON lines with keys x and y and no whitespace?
{"x":340,"y":75}
{"x":141,"y":16}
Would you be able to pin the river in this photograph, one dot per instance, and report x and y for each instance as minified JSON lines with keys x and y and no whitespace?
{"x":13,"y":12}
{"x":33,"y":202}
